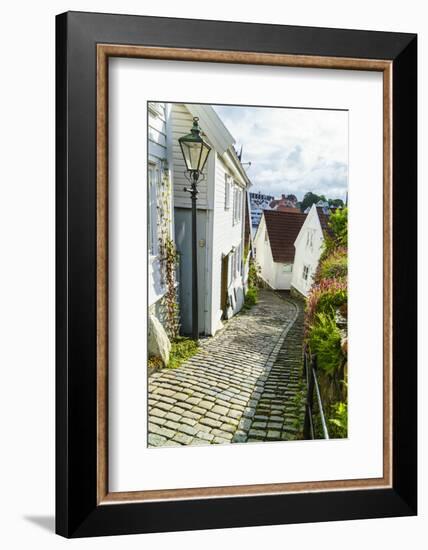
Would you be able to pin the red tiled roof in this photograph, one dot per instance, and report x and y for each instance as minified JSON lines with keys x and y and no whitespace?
{"x":283,"y":228}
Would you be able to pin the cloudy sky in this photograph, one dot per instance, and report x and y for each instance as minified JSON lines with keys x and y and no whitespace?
{"x":291,"y":150}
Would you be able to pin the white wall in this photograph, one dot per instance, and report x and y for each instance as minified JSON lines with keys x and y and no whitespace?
{"x":282,"y":277}
{"x":158,"y":154}
{"x":27,"y":312}
{"x":225,"y":235}
{"x":264,"y":254}
{"x":182,"y":122}
{"x":307,"y":255}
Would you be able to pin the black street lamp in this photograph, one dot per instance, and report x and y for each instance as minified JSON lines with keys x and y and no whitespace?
{"x":195,"y":152}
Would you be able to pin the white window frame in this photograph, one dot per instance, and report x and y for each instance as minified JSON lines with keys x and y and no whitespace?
{"x":237,"y":204}
{"x":288,"y":268}
{"x":227,"y":186}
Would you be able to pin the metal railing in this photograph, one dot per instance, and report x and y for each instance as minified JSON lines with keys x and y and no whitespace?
{"x":310,"y":372}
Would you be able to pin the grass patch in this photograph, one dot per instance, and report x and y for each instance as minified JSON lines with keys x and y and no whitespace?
{"x":181,"y":350}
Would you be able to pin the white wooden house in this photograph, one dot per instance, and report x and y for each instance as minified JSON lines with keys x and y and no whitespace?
{"x":274,"y":246}
{"x":220,"y":221}
{"x":160,"y":202}
{"x":308,"y":245}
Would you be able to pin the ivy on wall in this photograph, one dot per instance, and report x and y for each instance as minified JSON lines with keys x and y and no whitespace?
{"x":168,"y":256}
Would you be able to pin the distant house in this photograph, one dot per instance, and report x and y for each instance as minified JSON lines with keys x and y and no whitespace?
{"x":274,"y":246}
{"x":221,"y":223}
{"x":308,"y":245}
{"x":258,"y":203}
{"x":285,"y":201}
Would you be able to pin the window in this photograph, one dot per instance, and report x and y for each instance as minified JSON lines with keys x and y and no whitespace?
{"x":305,"y":272}
{"x":227,"y":186}
{"x":309,"y":239}
{"x":152,"y":209}
{"x":237,"y":204}
{"x":288,"y":268}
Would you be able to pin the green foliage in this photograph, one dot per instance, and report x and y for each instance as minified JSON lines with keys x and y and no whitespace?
{"x":312,"y":198}
{"x":339,"y":225}
{"x":334,"y":265}
{"x":338,"y":422}
{"x":325,"y":297}
{"x":254,"y":274}
{"x":181,"y":350}
{"x":251,"y":297}
{"x":338,"y":203}
{"x":308,"y":200}
{"x":324,"y":340}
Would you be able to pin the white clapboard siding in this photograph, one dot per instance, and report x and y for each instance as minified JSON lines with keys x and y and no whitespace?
{"x":157,"y":131}
{"x":182,"y":122}
{"x":225,"y":236}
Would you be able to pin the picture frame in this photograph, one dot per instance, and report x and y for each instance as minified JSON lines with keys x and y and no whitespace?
{"x":84,"y":44}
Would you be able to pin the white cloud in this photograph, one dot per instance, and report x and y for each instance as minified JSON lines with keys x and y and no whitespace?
{"x":292,"y":150}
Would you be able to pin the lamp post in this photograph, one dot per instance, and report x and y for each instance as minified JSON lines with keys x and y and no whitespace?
{"x":195,"y":151}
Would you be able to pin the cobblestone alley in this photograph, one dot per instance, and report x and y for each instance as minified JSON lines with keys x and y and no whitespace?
{"x":239,"y":387}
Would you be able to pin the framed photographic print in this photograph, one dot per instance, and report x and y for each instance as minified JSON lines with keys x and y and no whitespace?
{"x":236,"y":274}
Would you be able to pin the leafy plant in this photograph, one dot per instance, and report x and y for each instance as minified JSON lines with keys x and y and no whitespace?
{"x":325,"y":297}
{"x":334,"y":265}
{"x":339,"y":225}
{"x":254,"y":274}
{"x":338,"y":423}
{"x":324,"y":340}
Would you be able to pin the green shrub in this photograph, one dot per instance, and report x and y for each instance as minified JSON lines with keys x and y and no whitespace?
{"x":324,"y":340}
{"x":339,"y":225}
{"x":181,"y":350}
{"x":251,"y":297}
{"x":334,"y":266}
{"x":325,"y":297}
{"x":254,"y":274}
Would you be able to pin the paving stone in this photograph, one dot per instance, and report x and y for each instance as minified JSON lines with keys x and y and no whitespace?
{"x":208,"y":405}
{"x":259,"y":425}
{"x":156,"y":440}
{"x":274,"y":434}
{"x":210,"y":422}
{"x":160,"y":430}
{"x":206,"y":436}
{"x":182,"y":438}
{"x":257,"y":433}
{"x":188,"y":421}
{"x":239,"y":437}
{"x":156,"y":420}
{"x":220,"y":410}
{"x":189,"y":430}
{"x":220,"y":440}
{"x":197,"y":441}
{"x":203,"y":428}
{"x":171,"y":416}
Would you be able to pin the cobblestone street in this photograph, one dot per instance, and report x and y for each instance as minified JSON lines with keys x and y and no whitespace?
{"x":240,"y":386}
